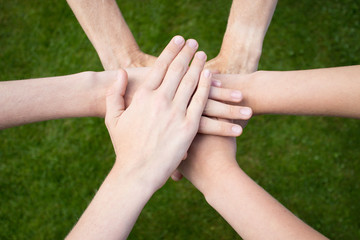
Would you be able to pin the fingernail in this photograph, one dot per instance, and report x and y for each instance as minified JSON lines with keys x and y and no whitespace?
{"x":201,"y":55}
{"x":236,"y":129}
{"x":192,"y":43}
{"x":178,"y":40}
{"x":245,"y":111}
{"x":236,"y":94}
{"x":216,"y":83}
{"x":207,"y":73}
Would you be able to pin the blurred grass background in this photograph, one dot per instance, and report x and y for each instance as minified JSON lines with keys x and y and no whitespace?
{"x":49,"y":171}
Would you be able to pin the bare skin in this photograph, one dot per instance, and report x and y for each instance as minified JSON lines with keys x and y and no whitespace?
{"x":326,"y":91}
{"x":174,"y":98}
{"x":242,"y":43}
{"x":212,"y":167}
{"x":211,"y":160}
{"x":83,"y":95}
{"x":107,"y":30}
{"x":240,"y":51}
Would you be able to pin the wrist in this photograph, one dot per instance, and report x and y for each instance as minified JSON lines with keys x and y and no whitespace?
{"x":113,"y":59}
{"x":132,"y":181}
{"x":243,"y":47}
{"x":220,"y":188}
{"x":99,"y":83}
{"x":258,"y":92}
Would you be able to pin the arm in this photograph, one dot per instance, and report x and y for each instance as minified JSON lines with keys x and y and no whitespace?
{"x":83,"y":95}
{"x":242,"y":43}
{"x":248,"y":208}
{"x":170,"y":102}
{"x":328,"y":91}
{"x":108,"y":32}
{"x":26,"y":101}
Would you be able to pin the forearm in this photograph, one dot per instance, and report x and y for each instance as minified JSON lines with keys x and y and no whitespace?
{"x":107,"y":30}
{"x":251,"y":211}
{"x":114,"y":209}
{"x":34,"y":100}
{"x":245,"y":33}
{"x":330,"y":92}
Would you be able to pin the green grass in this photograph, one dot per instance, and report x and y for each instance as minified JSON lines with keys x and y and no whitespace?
{"x":50,"y":171}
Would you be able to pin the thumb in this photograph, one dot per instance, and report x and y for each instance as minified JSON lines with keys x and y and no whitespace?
{"x":115,"y":103}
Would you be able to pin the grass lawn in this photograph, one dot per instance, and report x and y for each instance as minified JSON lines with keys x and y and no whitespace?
{"x":50,"y":171}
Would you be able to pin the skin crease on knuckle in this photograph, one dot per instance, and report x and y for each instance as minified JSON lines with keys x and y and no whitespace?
{"x":189,"y":82}
{"x":161,"y":65}
{"x":179,"y":68}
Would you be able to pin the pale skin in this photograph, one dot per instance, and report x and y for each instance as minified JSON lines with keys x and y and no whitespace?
{"x":213,"y":158}
{"x":170,"y":120}
{"x":107,"y":30}
{"x":212,"y":167}
{"x":240,"y":51}
{"x":245,"y":31}
{"x":83,"y":95}
{"x":324,"y":92}
{"x":221,"y":149}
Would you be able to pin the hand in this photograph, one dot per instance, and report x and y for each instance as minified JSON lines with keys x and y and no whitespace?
{"x":140,"y":59}
{"x":213,"y":108}
{"x":153,"y":134}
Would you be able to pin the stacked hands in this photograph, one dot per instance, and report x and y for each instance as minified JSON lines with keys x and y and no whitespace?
{"x":175,"y":103}
{"x":167,"y":117}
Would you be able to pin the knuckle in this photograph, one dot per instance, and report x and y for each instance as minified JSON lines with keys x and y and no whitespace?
{"x":204,"y":83}
{"x":189,"y":82}
{"x":161,"y":64}
{"x":207,"y":108}
{"x":200,"y":100}
{"x":205,"y":125}
{"x":231,"y":110}
{"x":222,"y":127}
{"x":178,"y":67}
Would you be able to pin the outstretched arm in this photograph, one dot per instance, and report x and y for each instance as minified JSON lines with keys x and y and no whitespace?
{"x":108,"y":32}
{"x":247,"y":207}
{"x":26,"y":101}
{"x":83,"y":95}
{"x":327,"y":91}
{"x":171,"y":103}
{"x":242,"y":43}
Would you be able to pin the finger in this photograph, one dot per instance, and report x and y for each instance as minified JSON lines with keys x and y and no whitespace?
{"x":178,"y":68}
{"x":198,"y":101}
{"x":188,"y":84}
{"x":225,"y":95}
{"x":222,"y":110}
{"x":229,"y":80}
{"x":115,"y":104}
{"x":158,"y":71}
{"x":176,"y":176}
{"x":220,"y":128}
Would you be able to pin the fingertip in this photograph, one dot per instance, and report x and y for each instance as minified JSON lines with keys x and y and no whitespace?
{"x":178,"y":40}
{"x":176,"y":176}
{"x":192,"y":43}
{"x":236,"y":130}
{"x":236,"y":95}
{"x":246,"y":112}
{"x":216,"y":83}
{"x":201,"y":55}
